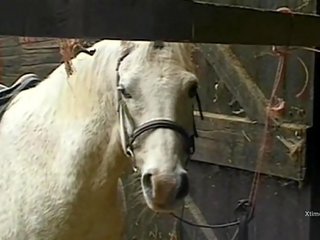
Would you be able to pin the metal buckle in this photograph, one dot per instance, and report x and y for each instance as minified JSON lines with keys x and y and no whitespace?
{"x":130,"y":153}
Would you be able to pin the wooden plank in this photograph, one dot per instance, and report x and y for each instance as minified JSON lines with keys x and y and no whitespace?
{"x":40,"y":52}
{"x":235,"y":142}
{"x":9,"y":51}
{"x":10,"y":62}
{"x":194,"y":214}
{"x":32,"y":59}
{"x":261,"y":64}
{"x":280,"y":207}
{"x":39,"y":44}
{"x":8,"y":42}
{"x":170,"y":20}
{"x":238,"y":81}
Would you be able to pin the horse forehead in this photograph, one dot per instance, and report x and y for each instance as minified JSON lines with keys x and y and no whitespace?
{"x":155,"y":75}
{"x":161,"y":91}
{"x":160,"y":60}
{"x":157,"y":70}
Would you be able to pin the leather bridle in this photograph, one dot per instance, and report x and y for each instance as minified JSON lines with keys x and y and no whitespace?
{"x":244,"y":210}
{"x":128,"y":139}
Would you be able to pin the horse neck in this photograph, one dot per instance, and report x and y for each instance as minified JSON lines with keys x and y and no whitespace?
{"x":90,"y":91}
{"x":86,"y":106}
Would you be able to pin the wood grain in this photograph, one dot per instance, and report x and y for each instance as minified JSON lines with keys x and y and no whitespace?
{"x":235,"y":142}
{"x":170,"y":20}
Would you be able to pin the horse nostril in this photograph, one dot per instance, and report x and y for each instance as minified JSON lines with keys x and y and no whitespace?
{"x":146,"y":180}
{"x":183,"y":188}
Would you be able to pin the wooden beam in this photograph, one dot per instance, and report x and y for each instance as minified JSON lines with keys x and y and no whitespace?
{"x":235,"y":142}
{"x":169,"y":20}
{"x":216,"y":191}
{"x":238,"y":81}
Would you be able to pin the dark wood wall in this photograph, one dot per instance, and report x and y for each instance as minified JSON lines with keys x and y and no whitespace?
{"x":170,"y":20}
{"x":236,"y":82}
{"x":20,"y":55}
{"x":222,"y":169}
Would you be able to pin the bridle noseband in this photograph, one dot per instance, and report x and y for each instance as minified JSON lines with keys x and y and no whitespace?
{"x":167,"y":124}
{"x":153,"y":124}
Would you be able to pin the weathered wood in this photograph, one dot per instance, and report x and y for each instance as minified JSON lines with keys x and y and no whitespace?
{"x":170,"y":20}
{"x":280,"y":206}
{"x":239,"y":82}
{"x":39,"y":44}
{"x":40,"y":54}
{"x":39,"y":59}
{"x":194,"y":214}
{"x":6,"y":41}
{"x":19,"y":55}
{"x":235,"y":142}
{"x":261,"y":63}
{"x":10,"y":51}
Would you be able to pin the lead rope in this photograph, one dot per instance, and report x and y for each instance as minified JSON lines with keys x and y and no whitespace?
{"x":271,"y":112}
{"x":180,"y":218}
{"x":274,"y":108}
{"x":246,"y":207}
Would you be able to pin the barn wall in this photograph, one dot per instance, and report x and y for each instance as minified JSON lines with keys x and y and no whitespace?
{"x":18,"y":56}
{"x":228,"y":146}
{"x":215,"y":188}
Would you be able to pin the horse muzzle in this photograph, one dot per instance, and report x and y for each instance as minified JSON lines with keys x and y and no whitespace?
{"x":164,"y":192}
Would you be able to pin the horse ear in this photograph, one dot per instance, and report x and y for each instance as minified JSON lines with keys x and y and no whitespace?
{"x":158,"y":44}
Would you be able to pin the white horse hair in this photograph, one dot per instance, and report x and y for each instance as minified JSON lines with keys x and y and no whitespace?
{"x":60,"y":146}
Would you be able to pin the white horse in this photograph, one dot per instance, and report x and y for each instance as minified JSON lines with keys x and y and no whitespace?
{"x":65,"y":143}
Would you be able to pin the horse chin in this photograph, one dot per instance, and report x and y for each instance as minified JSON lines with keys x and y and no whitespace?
{"x":163,"y":208}
{"x":164,"y":193}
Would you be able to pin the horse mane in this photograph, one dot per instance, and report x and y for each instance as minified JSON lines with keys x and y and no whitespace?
{"x":180,"y":53}
{"x":100,"y":68}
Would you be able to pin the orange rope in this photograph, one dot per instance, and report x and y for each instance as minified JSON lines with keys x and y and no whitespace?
{"x":271,"y":113}
{"x":273,"y":110}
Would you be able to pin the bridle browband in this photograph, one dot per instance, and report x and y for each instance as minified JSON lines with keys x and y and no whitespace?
{"x":153,"y":124}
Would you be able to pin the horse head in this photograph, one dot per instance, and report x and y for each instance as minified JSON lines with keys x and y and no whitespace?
{"x":156,"y":85}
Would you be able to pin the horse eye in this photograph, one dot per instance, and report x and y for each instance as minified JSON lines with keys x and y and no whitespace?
{"x":193,"y":90}
{"x":124,"y":93}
